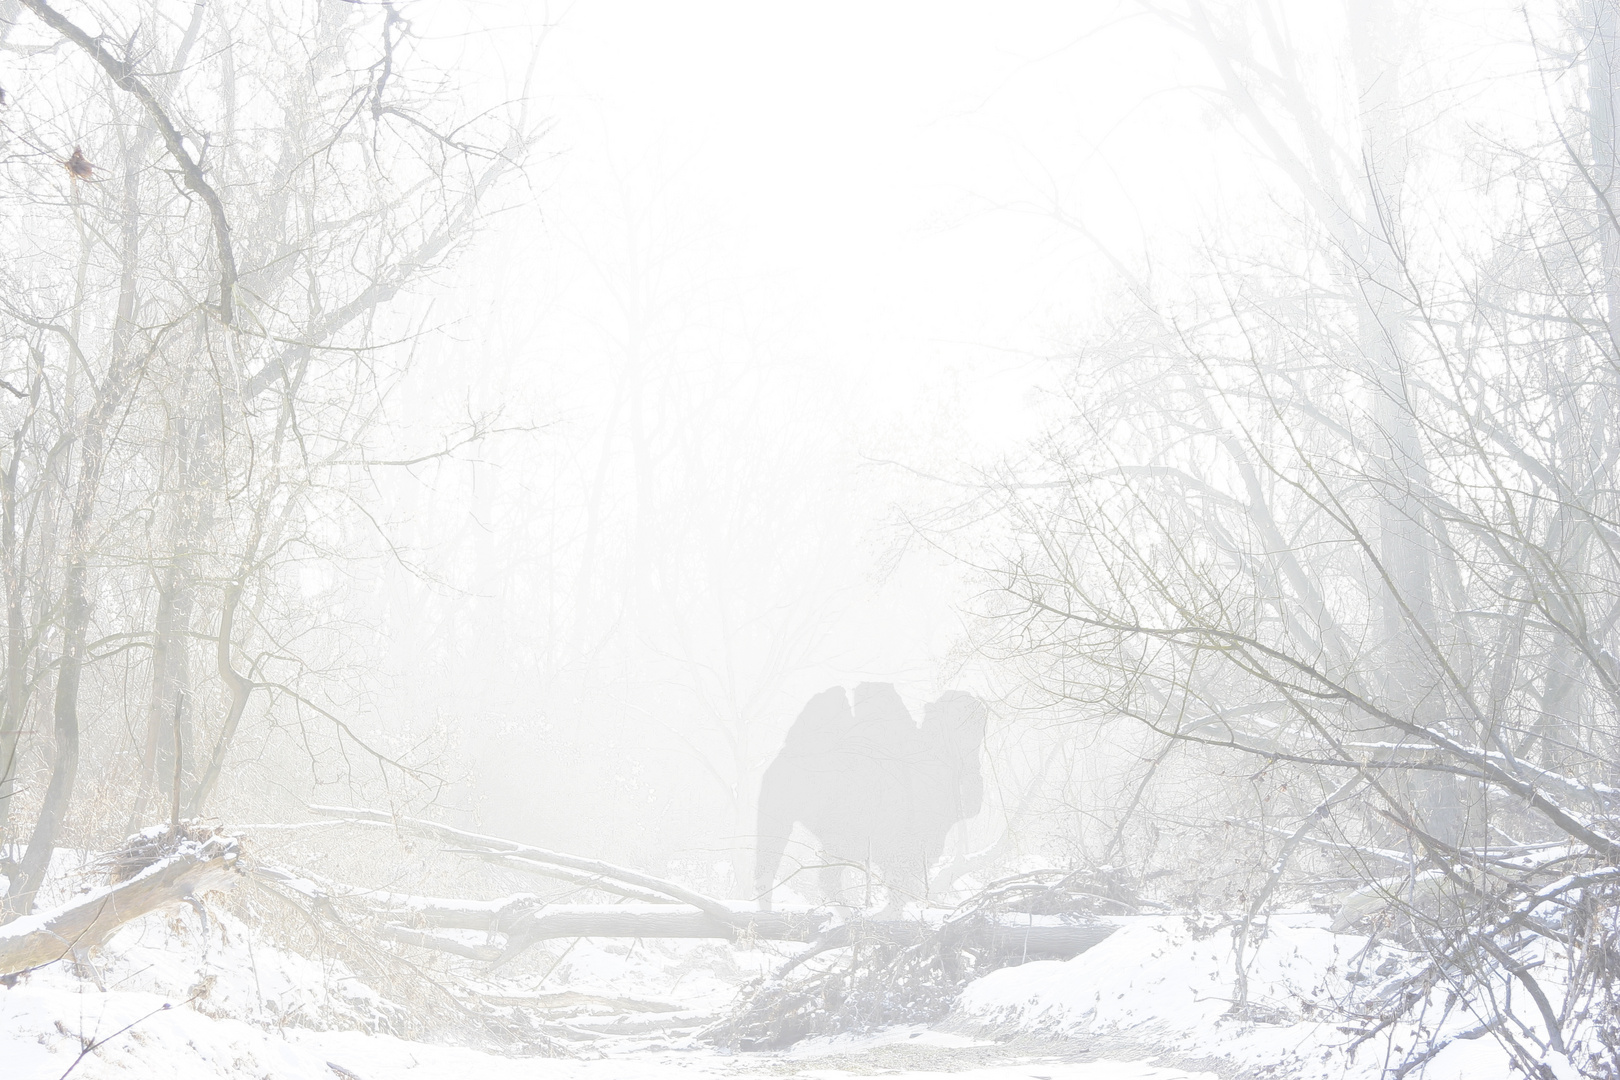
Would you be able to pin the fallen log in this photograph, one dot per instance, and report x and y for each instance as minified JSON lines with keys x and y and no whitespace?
{"x":660,"y":921}
{"x":556,"y":873}
{"x":525,"y":923}
{"x":573,"y":1002}
{"x":406,"y":909}
{"x":84,"y":922}
{"x":526,"y":920}
{"x":497,"y":845}
{"x":423,"y":939}
{"x":1010,"y":936}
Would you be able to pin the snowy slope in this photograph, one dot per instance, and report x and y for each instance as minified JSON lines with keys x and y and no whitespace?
{"x":40,"y":1032}
{"x":1170,"y":982}
{"x":1159,"y":988}
{"x":191,"y":994}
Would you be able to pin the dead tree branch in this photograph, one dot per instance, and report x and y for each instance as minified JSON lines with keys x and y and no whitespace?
{"x":122,"y":73}
{"x":81,"y":924}
{"x":717,"y":910}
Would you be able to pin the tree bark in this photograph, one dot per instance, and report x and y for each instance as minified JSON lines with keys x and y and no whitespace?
{"x":241,"y":687}
{"x":12,"y":567}
{"x":722,"y":913}
{"x":122,"y":74}
{"x":526,"y":922}
{"x":86,"y":921}
{"x":76,"y":601}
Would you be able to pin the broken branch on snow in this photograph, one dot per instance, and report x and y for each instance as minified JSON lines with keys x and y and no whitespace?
{"x":84,"y":922}
{"x":665,"y":909}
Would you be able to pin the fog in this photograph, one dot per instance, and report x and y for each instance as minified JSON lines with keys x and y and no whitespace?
{"x":853,"y":479}
{"x":781,"y":287}
{"x":780,"y":290}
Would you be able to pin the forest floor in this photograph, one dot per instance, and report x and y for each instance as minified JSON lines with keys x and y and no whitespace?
{"x":195,"y":993}
{"x":42,"y":1036}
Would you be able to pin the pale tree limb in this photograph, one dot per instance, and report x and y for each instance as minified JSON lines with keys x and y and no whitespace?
{"x":241,"y":687}
{"x":1258,"y":903}
{"x":122,"y":73}
{"x":716,"y":909}
{"x":84,"y":922}
{"x":526,"y":922}
{"x":525,"y":919}
{"x":588,"y":881}
{"x":422,"y":939}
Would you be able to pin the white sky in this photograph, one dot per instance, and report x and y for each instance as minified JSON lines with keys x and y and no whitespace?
{"x":843,"y":209}
{"x":874,"y":173}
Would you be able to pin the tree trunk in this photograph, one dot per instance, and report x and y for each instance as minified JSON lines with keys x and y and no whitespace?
{"x":65,"y":768}
{"x":1004,"y":938}
{"x":158,"y":706}
{"x":241,"y":687}
{"x":76,"y":605}
{"x":527,"y":920}
{"x":16,"y":666}
{"x":86,"y":921}
{"x":1601,"y":34}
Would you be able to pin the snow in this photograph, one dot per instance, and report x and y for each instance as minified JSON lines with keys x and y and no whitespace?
{"x":193,"y":994}
{"x":393,"y":1059}
{"x":913,"y":1034}
{"x":698,"y":975}
{"x":1157,"y":992}
{"x":42,"y":1032}
{"x":1170,"y":982}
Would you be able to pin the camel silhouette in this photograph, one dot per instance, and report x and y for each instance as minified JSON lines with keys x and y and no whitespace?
{"x":876,"y":791}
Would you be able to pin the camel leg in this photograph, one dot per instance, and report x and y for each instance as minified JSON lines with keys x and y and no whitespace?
{"x":776,"y":818}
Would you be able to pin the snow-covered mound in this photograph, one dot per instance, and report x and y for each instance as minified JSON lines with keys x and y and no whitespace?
{"x":1171,"y":982}
{"x":190,"y":987}
{"x":44,"y":1030}
{"x":194,"y":994}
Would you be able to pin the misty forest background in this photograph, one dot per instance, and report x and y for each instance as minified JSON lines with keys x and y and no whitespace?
{"x":513,"y":420}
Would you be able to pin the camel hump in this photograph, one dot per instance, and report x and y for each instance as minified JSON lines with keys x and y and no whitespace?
{"x":954,"y":727}
{"x":956,"y":721}
{"x":824,"y":723}
{"x":884,"y":729}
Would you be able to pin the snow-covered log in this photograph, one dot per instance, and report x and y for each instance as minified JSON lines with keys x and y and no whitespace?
{"x":1008,"y":936}
{"x":526,"y":923}
{"x":671,"y":911}
{"x":525,"y":920}
{"x":427,"y":940}
{"x":557,"y":873}
{"x":481,"y":845}
{"x":82,"y":923}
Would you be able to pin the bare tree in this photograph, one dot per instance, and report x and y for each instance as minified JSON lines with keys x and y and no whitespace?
{"x":218,"y":206}
{"x":1343,"y":524}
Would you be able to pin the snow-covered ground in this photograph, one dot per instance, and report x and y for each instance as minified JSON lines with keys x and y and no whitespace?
{"x":40,"y":1038}
{"x":1169,"y":982}
{"x":192,"y":994}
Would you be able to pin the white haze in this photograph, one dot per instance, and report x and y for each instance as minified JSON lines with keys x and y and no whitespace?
{"x":461,"y":452}
{"x":782,"y":279}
